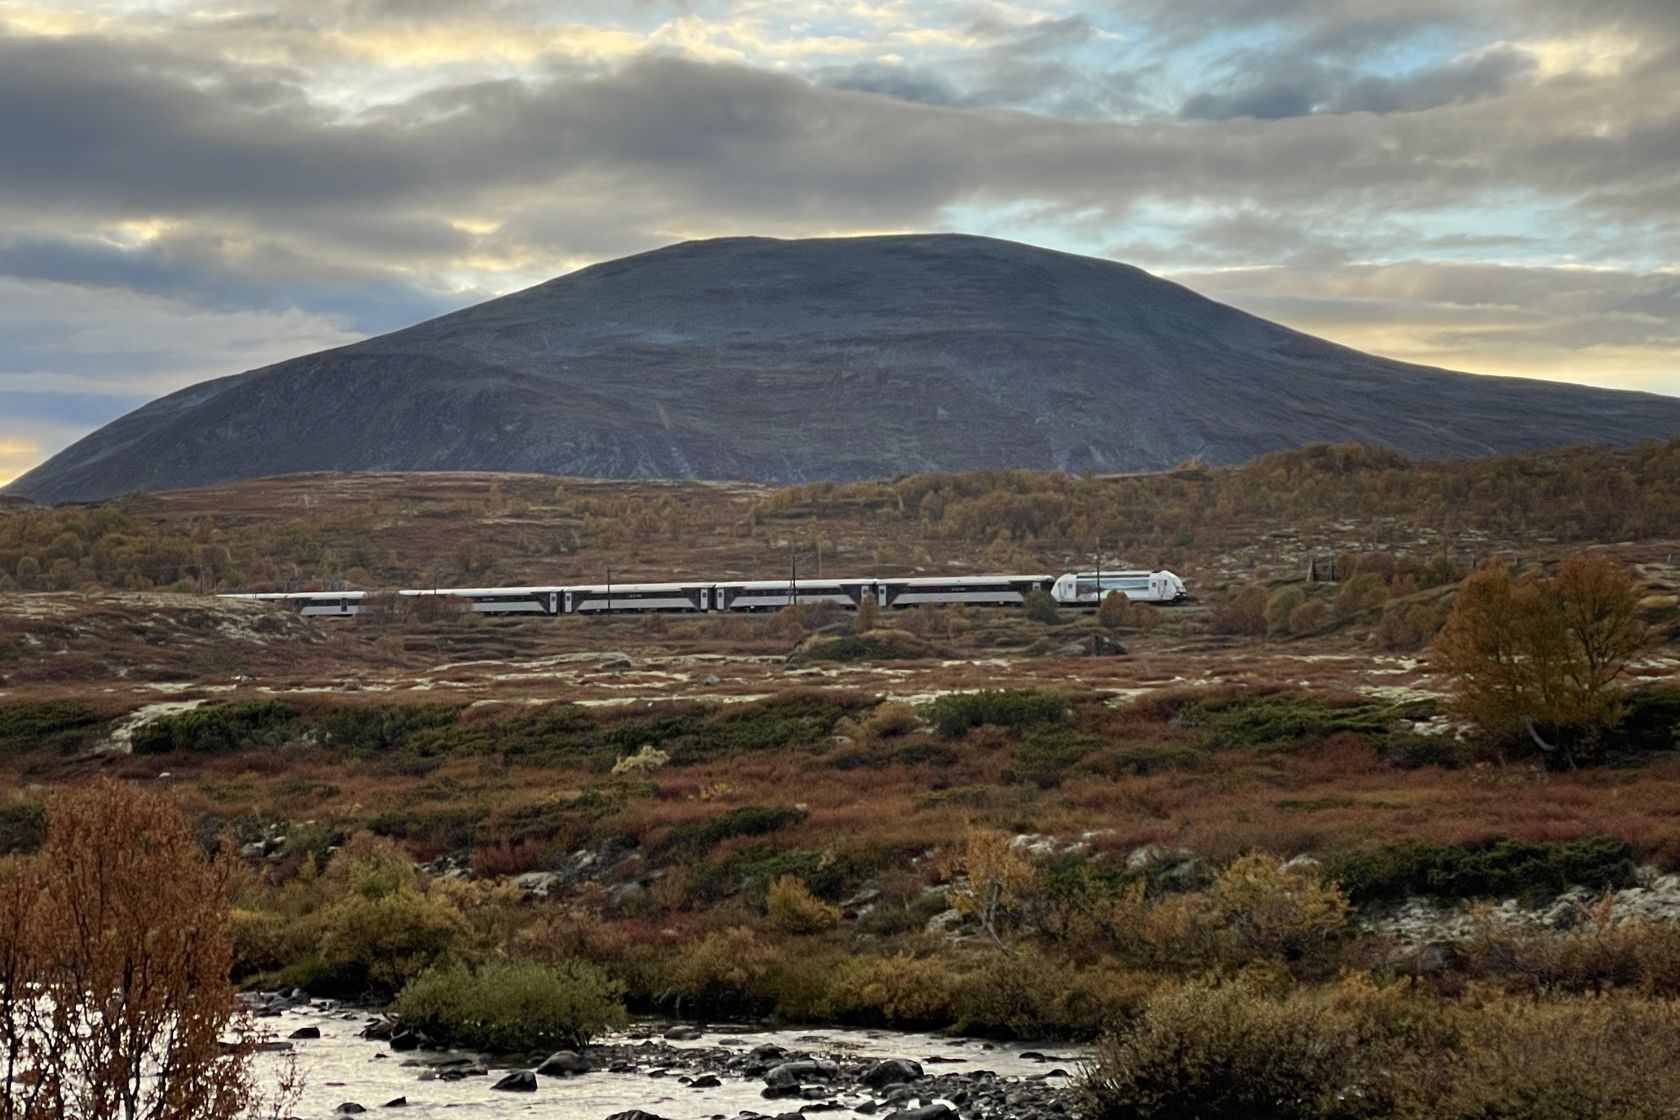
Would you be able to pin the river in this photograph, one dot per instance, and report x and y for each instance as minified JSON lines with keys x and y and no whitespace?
{"x":341,"y":1067}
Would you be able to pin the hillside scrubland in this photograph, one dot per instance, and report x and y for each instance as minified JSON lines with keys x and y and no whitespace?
{"x":1271,"y":827}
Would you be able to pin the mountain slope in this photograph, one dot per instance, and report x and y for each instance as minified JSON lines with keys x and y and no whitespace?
{"x":836,"y":358}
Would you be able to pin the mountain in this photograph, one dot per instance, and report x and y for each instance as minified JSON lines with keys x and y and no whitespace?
{"x":827,"y":359}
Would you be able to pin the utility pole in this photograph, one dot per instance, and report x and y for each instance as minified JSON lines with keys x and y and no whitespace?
{"x":609,"y":589}
{"x":793,"y":579}
{"x":1099,"y":573}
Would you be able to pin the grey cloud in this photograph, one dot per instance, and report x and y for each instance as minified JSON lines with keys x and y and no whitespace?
{"x":1293,"y":95}
{"x":1485,"y":75}
{"x":207,"y":270}
{"x":895,"y":80}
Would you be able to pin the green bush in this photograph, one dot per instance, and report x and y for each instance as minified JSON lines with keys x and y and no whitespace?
{"x":1046,"y":754}
{"x":1412,"y":752}
{"x":1281,"y":608}
{"x":1650,"y":721}
{"x":512,"y":1008}
{"x":221,"y":727}
{"x":1499,"y":868}
{"x":23,"y":826}
{"x":956,"y":714}
{"x":32,"y":725}
{"x":1280,"y":719}
{"x":748,"y":820}
{"x":380,"y":728}
{"x":1040,"y":606}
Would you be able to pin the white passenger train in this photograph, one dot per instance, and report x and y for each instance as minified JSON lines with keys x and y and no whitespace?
{"x":1075,"y":589}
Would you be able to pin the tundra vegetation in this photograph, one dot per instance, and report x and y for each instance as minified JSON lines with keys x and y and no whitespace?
{"x":1210,"y":856}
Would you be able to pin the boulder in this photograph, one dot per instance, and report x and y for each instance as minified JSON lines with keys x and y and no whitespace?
{"x":936,"y":1111}
{"x":519,"y":1081}
{"x":634,"y":1114}
{"x":397,"y":1102}
{"x":893,"y":1071}
{"x":683,"y":1034}
{"x":705,"y":1081}
{"x":349,"y":1108}
{"x":306,"y":1032}
{"x":792,"y":1074}
{"x":564,"y":1063}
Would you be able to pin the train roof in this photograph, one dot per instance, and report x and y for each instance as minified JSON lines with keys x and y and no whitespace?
{"x":465,"y":592}
{"x":958,"y":581}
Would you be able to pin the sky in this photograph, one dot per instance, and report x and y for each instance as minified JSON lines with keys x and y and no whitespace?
{"x":192,"y":189}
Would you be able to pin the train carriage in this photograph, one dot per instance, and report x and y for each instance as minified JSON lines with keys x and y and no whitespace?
{"x":980,"y":591}
{"x":314,"y":604}
{"x":631,"y":598}
{"x":499,"y":600}
{"x":773,"y":594}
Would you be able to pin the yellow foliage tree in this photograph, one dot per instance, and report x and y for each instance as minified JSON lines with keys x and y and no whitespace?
{"x":1538,"y":651}
{"x":999,"y":884}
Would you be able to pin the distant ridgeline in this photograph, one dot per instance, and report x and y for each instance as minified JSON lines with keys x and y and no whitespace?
{"x":844,"y":358}
{"x":419,"y":530}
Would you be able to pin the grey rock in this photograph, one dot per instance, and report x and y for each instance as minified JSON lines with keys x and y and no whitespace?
{"x":684,"y":1034}
{"x":349,"y":1108}
{"x":634,"y":1114}
{"x":797,"y":1072}
{"x":564,"y":1063}
{"x":935,"y":1111}
{"x":705,"y":1081}
{"x":892,"y":1071}
{"x":396,"y":1102}
{"x":978,"y":345}
{"x":306,"y":1032}
{"x":519,"y":1081}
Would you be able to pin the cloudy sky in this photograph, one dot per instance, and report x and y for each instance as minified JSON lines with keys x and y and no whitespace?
{"x":189,"y":189}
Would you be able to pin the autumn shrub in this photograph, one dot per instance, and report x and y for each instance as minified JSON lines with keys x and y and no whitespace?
{"x":375,"y":945}
{"x":1034,"y":994}
{"x":956,"y":713}
{"x":1603,"y":1058}
{"x":1309,"y":616}
{"x":794,"y":909}
{"x":1363,"y":592}
{"x":1270,"y":910}
{"x":1236,"y":1051}
{"x":115,"y":997}
{"x":1243,"y":613}
{"x":1040,"y":606}
{"x":726,"y":974}
{"x":901,"y":991}
{"x":1405,"y":627}
{"x":513,"y":1007}
{"x":1597,"y":954}
{"x":1281,"y":608}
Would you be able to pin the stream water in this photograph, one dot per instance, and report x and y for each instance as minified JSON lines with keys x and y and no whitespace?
{"x":341,"y":1067}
